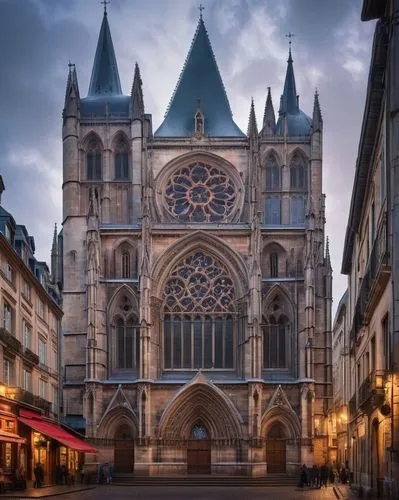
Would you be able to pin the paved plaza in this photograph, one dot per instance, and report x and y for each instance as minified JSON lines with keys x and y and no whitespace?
{"x":202,"y":493}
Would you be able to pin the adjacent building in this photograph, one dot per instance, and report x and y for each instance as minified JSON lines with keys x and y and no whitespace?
{"x":30,"y":349}
{"x":371,"y":262}
{"x":197,"y":282}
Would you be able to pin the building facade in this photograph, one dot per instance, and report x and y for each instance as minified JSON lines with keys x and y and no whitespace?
{"x":371,"y":262}
{"x":196,"y":278}
{"x":338,"y":420}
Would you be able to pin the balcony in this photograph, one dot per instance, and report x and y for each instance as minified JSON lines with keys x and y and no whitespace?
{"x":10,"y":340}
{"x":373,"y":282}
{"x":352,"y":407}
{"x":372,"y":391}
{"x":30,"y":356}
{"x":28,"y":397}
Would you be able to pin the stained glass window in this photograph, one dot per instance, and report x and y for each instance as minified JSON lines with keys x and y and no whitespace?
{"x":297,"y":210}
{"x":199,"y":307}
{"x":199,"y":432}
{"x":272,"y":174}
{"x":276,"y":330}
{"x":200,"y":193}
{"x":127,"y":343}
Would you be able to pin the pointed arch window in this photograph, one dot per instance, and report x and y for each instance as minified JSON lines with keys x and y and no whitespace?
{"x":274,"y":265}
{"x":298,"y":172}
{"x":127,"y":343}
{"x":125,"y":265}
{"x":199,"y":325}
{"x":272,"y":174}
{"x":276,"y":337}
{"x":93,"y":161}
{"x":121,"y":161}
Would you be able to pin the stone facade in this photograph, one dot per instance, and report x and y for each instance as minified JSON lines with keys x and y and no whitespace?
{"x":127,"y":251}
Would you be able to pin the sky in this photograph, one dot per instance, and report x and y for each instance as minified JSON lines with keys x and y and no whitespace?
{"x":331,"y":51}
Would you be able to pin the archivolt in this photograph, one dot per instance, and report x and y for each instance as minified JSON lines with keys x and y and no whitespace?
{"x":200,"y":402}
{"x":286,"y":417}
{"x":114,"y":419}
{"x":200,"y":240}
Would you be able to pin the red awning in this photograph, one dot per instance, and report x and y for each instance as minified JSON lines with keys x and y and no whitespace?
{"x":10,"y":437}
{"x":51,"y":430}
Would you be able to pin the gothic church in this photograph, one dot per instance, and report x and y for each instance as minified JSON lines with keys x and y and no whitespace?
{"x":196,"y":276}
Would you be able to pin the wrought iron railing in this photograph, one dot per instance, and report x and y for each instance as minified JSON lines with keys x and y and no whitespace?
{"x":10,"y":340}
{"x":371,"y":391}
{"x":377,"y":263}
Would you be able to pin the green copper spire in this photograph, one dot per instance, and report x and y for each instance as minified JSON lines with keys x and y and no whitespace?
{"x":200,"y":81}
{"x":105,"y":77}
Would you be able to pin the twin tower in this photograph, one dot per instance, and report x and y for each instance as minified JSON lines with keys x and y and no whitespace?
{"x":195,"y":273}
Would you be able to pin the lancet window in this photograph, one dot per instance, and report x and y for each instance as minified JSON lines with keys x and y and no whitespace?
{"x":93,"y":161}
{"x":297,"y":210}
{"x":200,"y":193}
{"x":272,"y":174}
{"x":121,"y":161}
{"x":298,"y":172}
{"x":127,"y":337}
{"x":199,"y":324}
{"x":276,"y":337}
{"x":272,"y":210}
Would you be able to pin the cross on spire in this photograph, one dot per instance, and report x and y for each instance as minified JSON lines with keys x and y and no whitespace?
{"x":105,"y":3}
{"x":290,"y":36}
{"x":201,"y":8}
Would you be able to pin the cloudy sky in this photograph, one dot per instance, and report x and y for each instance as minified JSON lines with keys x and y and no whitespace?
{"x":331,"y":51}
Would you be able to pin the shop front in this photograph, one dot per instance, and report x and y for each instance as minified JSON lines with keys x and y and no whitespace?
{"x":56,"y":450}
{"x":13,"y":449}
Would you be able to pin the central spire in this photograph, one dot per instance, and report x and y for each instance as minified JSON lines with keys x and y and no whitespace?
{"x":289,"y":101}
{"x":199,"y":80}
{"x":105,"y":77}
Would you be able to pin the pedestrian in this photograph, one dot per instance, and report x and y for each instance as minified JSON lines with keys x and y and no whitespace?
{"x":323,"y":475}
{"x":111,"y":472}
{"x":39,"y":475}
{"x":81,"y":471}
{"x":106,"y":472}
{"x":303,"y":478}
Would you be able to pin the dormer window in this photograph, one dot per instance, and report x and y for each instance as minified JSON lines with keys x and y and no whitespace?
{"x":7,"y":233}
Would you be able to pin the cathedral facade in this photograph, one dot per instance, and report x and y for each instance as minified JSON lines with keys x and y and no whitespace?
{"x":196,"y":277}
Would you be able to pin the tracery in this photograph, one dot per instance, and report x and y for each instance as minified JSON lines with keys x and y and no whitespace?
{"x":200,"y":193}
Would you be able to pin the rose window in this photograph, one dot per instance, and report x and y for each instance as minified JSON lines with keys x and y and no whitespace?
{"x":200,"y":193}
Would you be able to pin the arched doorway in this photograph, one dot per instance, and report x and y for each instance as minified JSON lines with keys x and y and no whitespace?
{"x":199,"y":450}
{"x":124,"y":449}
{"x":276,"y":449}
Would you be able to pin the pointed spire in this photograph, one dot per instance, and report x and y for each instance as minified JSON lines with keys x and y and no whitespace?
{"x":252,"y":125}
{"x":289,"y":100}
{"x":269,"y":118}
{"x":72,"y":97}
{"x":137,"y":101}
{"x":105,"y":77}
{"x":317,"y":118}
{"x":199,"y":79}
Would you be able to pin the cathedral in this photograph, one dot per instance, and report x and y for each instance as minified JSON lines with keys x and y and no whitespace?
{"x":196,"y":276}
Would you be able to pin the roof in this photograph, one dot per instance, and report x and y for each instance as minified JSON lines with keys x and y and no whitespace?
{"x":298,"y":123}
{"x":368,"y":136}
{"x":373,"y":9}
{"x":200,"y":85}
{"x":105,"y":77}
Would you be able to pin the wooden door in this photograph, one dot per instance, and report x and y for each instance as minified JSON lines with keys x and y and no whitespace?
{"x":275,"y":449}
{"x":124,"y":450}
{"x":275,"y":455}
{"x":199,"y":451}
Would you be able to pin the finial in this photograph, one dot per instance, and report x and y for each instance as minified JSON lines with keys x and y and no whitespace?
{"x":71,"y":66}
{"x":290,"y":36}
{"x":201,"y":8}
{"x":105,"y":3}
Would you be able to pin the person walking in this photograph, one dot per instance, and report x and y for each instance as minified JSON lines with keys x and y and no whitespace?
{"x":323,"y":475}
{"x":39,"y":475}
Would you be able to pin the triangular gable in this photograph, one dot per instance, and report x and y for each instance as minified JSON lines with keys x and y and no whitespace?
{"x":279,"y":398}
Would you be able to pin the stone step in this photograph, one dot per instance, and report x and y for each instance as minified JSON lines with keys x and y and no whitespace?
{"x":206,"y":480}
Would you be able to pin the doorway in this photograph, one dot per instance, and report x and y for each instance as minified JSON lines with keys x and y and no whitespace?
{"x":276,"y":449}
{"x":124,"y":450}
{"x":199,"y":451}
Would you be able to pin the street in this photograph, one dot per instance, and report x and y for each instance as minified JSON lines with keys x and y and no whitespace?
{"x":206,"y":493}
